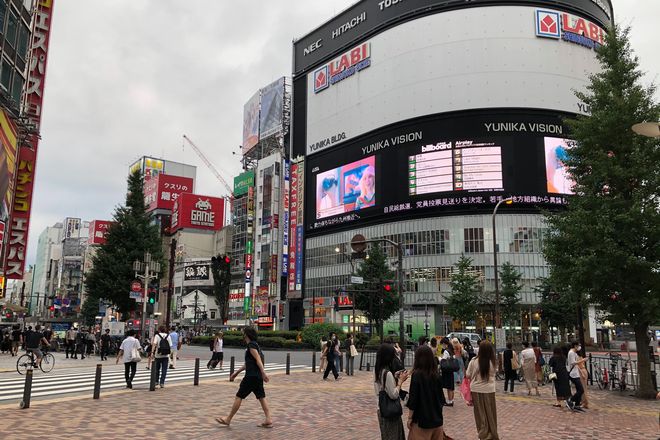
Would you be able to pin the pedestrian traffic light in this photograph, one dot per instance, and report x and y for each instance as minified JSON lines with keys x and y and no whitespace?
{"x":151,"y":296}
{"x":8,"y":315}
{"x":388,"y":286}
{"x":51,"y":308}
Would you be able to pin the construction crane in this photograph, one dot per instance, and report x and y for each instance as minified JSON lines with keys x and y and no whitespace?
{"x":210,"y":167}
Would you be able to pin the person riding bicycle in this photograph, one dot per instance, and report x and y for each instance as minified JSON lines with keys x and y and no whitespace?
{"x":33,"y":342}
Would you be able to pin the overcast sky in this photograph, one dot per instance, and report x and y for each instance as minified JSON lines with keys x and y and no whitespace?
{"x":128,"y":78}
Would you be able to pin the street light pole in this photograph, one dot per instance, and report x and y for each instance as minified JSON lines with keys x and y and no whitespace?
{"x":151,"y":270}
{"x":350,"y":260}
{"x":498,"y":319}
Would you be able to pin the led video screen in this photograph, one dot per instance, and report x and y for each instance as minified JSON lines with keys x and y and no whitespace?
{"x":556,"y":152}
{"x":347,"y":188}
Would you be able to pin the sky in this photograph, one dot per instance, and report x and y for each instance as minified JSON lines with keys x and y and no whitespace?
{"x":128,"y":78}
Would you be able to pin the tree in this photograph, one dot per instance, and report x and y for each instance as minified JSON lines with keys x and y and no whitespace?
{"x":376,"y":304}
{"x":558,"y":307}
{"x":90,"y":310}
{"x":221,"y":269}
{"x":128,"y":238}
{"x":463,"y":301}
{"x":509,"y":293}
{"x":605,"y":247}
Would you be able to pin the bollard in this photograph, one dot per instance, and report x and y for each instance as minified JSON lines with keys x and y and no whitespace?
{"x":368,"y":366}
{"x":152,"y":376}
{"x":196,"y":377}
{"x":27,"y":390}
{"x":232,"y":365}
{"x":97,"y":382}
{"x":288,"y":363}
{"x":313,"y":362}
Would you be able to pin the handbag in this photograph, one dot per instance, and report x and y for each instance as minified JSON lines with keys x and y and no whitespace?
{"x":552,"y":376}
{"x":515,"y":365}
{"x":465,"y":391}
{"x":389,"y":408}
{"x":354,"y":351}
{"x":135,"y":354}
{"x":450,"y":365}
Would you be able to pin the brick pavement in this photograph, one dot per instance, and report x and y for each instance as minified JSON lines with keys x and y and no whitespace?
{"x":304,"y":407}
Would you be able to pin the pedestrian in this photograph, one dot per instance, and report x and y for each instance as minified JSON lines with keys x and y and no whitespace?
{"x":147,"y":348}
{"x":528,"y":358}
{"x":16,"y":339}
{"x":437,"y":352}
{"x":390,"y":381}
{"x":324,"y":354}
{"x":105,"y":344}
{"x":574,"y":403}
{"x":90,"y":342}
{"x":540,"y":362}
{"x":511,"y":365}
{"x":584,"y":375}
{"x":81,"y":343}
{"x":331,"y":352}
{"x":425,"y":398}
{"x":557,"y":364}
{"x":481,"y":372}
{"x":218,"y":355}
{"x":447,"y":369}
{"x":338,"y":354}
{"x":160,"y":354}
{"x":461,"y":357}
{"x":174,"y":346}
{"x":129,"y":351}
{"x":5,"y":345}
{"x":351,"y":353}
{"x":467,"y":345}
{"x":71,"y":336}
{"x":253,"y":382}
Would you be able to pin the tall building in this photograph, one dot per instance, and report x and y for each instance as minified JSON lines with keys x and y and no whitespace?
{"x":15,"y":19}
{"x":48,"y":239}
{"x":413,"y":121}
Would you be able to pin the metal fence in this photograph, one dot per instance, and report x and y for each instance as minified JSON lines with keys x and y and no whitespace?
{"x":368,"y":356}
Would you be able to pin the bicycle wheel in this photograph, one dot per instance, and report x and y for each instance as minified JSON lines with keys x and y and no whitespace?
{"x":23,"y":363}
{"x":499,"y":375}
{"x":47,"y":363}
{"x":599,"y":379}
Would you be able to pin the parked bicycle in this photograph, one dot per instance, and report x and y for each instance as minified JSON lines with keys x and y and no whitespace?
{"x":28,"y":361}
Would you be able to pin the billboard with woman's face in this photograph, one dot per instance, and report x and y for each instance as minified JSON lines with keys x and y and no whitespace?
{"x":346,"y":188}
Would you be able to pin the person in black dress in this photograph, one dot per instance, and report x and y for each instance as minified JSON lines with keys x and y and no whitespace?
{"x":562,"y":386}
{"x":447,"y":374}
{"x":509,"y":373}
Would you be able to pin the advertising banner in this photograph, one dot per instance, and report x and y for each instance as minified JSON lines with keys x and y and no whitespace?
{"x":261,"y":301}
{"x":251,"y":123}
{"x":273,"y":268}
{"x":272,"y":102}
{"x":242,"y":182}
{"x":293,"y":220}
{"x":2,"y":235}
{"x":196,"y":272}
{"x":71,"y":227}
{"x":192,"y":211}
{"x":300,"y":227}
{"x":7,"y":163}
{"x":97,"y":231}
{"x":27,"y":156}
{"x":285,"y":219}
{"x":162,"y":191}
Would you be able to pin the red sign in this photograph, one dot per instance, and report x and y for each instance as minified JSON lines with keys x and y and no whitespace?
{"x":273,"y":268}
{"x":236,"y":296}
{"x":293,"y":223}
{"x":162,"y":191}
{"x":136,"y":286}
{"x":97,"y":231}
{"x":344,"y":301}
{"x":2,"y":235}
{"x":192,"y":211}
{"x":248,"y":261}
{"x":27,"y":153}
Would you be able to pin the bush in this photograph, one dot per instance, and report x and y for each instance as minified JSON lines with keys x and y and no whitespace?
{"x":201,"y":340}
{"x":312,"y":334}
{"x":275,"y":342}
{"x":233,"y":341}
{"x":278,"y":334}
{"x":361,"y":339}
{"x":294,"y":345}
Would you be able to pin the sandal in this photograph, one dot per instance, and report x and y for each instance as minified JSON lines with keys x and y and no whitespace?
{"x":557,"y":405}
{"x":222,"y":421}
{"x":266,"y":425}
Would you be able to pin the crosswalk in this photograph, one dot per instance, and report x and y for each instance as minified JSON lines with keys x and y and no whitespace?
{"x":76,"y":381}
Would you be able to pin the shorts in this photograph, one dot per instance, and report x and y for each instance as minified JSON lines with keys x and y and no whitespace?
{"x":249,"y":385}
{"x":219,"y":356}
{"x":37,"y":352}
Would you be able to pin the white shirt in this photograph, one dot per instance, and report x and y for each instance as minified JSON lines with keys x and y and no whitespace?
{"x":573,"y":369}
{"x":127,"y":346}
{"x":156,"y":344}
{"x":218,"y":345}
{"x":528,"y":353}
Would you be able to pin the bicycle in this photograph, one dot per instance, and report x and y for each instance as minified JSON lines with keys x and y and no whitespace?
{"x":28,"y":361}
{"x":601,"y":377}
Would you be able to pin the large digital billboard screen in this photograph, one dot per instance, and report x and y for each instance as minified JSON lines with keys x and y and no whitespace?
{"x":449,"y":163}
{"x":346,"y":188}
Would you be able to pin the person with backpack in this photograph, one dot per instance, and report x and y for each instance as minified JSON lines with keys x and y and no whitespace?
{"x":448,"y":365}
{"x":331,"y":353}
{"x":253,"y":382}
{"x":160,"y":354}
{"x":216,"y":347}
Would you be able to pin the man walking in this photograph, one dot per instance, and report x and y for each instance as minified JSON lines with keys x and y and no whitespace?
{"x":71,"y":336}
{"x":574,"y":402}
{"x":16,"y":339}
{"x":105,"y":344}
{"x":160,"y":353}
{"x":174,"y":347}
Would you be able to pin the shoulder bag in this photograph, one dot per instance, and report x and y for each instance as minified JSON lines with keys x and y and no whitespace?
{"x":450,"y":365}
{"x":354,"y":351}
{"x":389,"y":408}
{"x":515,"y":365}
{"x":135,"y":353}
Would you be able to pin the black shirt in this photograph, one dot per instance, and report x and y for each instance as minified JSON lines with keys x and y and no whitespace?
{"x":251,"y":366}
{"x":426,"y":399}
{"x":508,"y":355}
{"x":33,"y":339}
{"x":16,"y":335}
{"x":105,"y":340}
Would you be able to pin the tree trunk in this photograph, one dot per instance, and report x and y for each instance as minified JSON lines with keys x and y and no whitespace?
{"x":645,"y":389}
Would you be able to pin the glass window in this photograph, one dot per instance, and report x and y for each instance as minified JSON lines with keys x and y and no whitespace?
{"x":526,"y":240}
{"x":17,"y":88}
{"x":5,"y":75}
{"x":12,"y":29}
{"x":212,"y":314}
{"x":473,"y":239}
{"x":23,"y":42}
{"x":3,"y":11}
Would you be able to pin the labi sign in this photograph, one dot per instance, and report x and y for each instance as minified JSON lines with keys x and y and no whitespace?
{"x":568,"y":27}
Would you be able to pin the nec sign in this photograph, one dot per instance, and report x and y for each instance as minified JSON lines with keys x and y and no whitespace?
{"x":568,"y":27}
{"x":342,"y":67}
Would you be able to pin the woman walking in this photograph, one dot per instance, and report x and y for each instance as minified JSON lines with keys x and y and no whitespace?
{"x":385,"y":380}
{"x":331,"y":352}
{"x":558,"y":365}
{"x":425,"y":398}
{"x":584,"y":375}
{"x":529,"y":368}
{"x":129,"y":351}
{"x":324,"y":354}
{"x":510,"y":363}
{"x":447,"y":372}
{"x":461,"y":356}
{"x":481,"y":372}
{"x":218,"y":355}
{"x":351,"y":353}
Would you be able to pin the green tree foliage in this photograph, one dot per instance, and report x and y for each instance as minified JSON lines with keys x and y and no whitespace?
{"x":376,"y":304}
{"x":312,"y":334}
{"x":558,"y":307}
{"x":606,"y":245}
{"x":127,"y":240}
{"x":464,"y":298}
{"x":90,"y":310}
{"x":510,"y":288}
{"x":221,"y":271}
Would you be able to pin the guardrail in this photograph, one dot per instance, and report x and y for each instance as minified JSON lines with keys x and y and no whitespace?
{"x":368,"y":358}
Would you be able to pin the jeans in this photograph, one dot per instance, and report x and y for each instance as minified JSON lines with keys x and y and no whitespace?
{"x":509,"y":376}
{"x":350,"y":365}
{"x":70,"y":347}
{"x":331,"y":367}
{"x":579,"y":391}
{"x":337,"y":362}
{"x":129,"y":371}
{"x":161,"y":369}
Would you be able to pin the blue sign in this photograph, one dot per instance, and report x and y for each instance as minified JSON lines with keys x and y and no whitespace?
{"x":299,"y":257}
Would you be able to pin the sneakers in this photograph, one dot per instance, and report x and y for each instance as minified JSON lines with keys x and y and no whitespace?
{"x":162,"y":385}
{"x":570,"y":405}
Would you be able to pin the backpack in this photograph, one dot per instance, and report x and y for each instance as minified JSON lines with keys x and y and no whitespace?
{"x":212,"y":343}
{"x":163,"y":346}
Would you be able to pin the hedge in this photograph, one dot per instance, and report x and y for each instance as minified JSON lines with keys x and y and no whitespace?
{"x":264,"y":342}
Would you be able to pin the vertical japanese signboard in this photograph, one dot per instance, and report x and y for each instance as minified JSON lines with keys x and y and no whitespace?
{"x":293,"y":221}
{"x":27,"y":156}
{"x":286,"y":225}
{"x":299,"y":227}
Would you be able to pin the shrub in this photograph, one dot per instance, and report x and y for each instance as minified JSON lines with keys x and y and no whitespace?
{"x":312,"y":334}
{"x":361,"y":339}
{"x":275,"y":342}
{"x":234,"y":341}
{"x":278,"y":334}
{"x":294,"y":345}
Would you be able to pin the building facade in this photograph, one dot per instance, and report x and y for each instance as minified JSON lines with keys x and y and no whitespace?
{"x":414,"y":120}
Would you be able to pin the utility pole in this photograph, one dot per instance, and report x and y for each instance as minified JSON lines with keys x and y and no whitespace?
{"x":22,"y":293}
{"x":170,"y":284}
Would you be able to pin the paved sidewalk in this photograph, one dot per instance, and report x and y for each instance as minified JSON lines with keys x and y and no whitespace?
{"x":305,"y":407}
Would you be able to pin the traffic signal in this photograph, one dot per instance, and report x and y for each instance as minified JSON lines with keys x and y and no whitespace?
{"x":151,"y":296}
{"x":51,"y":308}
{"x":8,"y":315}
{"x":388,"y":286}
